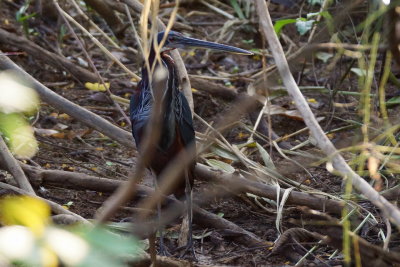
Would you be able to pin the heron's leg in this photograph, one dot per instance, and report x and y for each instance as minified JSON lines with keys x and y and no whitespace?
{"x":189,"y":209}
{"x":163,"y":250}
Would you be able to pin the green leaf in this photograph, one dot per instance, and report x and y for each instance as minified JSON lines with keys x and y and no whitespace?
{"x":250,"y":41}
{"x":393,"y":101}
{"x":237,"y":9}
{"x":107,"y":249}
{"x":223,"y":153}
{"x":279,"y":24}
{"x":303,"y":26}
{"x":265,"y":156}
{"x":220,"y":165}
{"x":323,"y":56}
{"x":202,"y":236}
{"x":359,"y":72}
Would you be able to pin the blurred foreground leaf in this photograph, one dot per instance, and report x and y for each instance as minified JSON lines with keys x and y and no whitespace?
{"x":17,"y":98}
{"x":32,"y":240}
{"x":19,"y":133}
{"x":26,"y":211}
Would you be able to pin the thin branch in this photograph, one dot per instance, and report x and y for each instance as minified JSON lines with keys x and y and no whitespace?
{"x":11,"y":164}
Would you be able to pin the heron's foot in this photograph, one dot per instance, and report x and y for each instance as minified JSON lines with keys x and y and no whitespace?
{"x":163,"y":250}
{"x":188,"y":248}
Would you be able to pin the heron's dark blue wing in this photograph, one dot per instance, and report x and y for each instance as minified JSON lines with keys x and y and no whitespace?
{"x":140,"y":109}
{"x":186,"y":121}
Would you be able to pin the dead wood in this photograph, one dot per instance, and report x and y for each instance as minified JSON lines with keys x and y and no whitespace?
{"x":370,"y":255}
{"x":392,"y":193}
{"x":210,"y":220}
{"x":11,"y":164}
{"x":285,"y":245}
{"x":83,"y":115}
{"x":104,"y":10}
{"x":213,"y":88}
{"x":161,"y":261}
{"x":47,"y":57}
{"x":269,"y":191}
{"x":64,"y":219}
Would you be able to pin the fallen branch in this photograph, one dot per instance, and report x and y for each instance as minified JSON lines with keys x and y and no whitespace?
{"x":323,"y":142}
{"x":11,"y":164}
{"x":268,"y":191}
{"x":213,"y":88}
{"x":110,"y":17}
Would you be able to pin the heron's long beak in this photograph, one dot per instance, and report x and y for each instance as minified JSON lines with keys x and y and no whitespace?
{"x":196,"y":43}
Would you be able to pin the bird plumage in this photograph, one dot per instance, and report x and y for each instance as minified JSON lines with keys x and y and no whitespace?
{"x":177,"y":131}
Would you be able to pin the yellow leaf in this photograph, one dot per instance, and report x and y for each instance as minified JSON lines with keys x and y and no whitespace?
{"x":312,"y":100}
{"x":97,"y":86}
{"x":194,"y":90}
{"x":58,"y":135}
{"x":27,"y":211}
{"x":192,"y":53}
{"x":242,"y":135}
{"x":64,"y":116}
{"x":330,"y":135}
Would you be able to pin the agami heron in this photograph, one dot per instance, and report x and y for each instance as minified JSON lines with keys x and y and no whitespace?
{"x":177,"y":133}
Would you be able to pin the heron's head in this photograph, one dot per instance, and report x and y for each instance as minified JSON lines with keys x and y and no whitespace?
{"x":178,"y":40}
